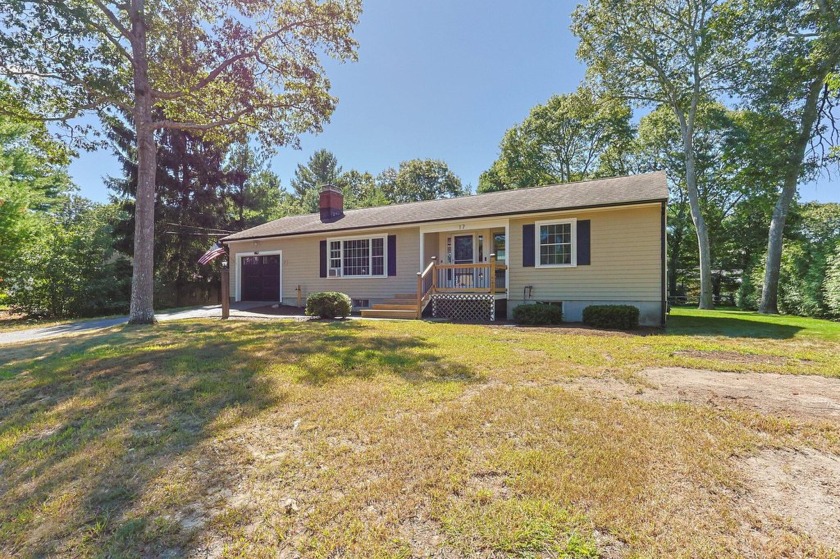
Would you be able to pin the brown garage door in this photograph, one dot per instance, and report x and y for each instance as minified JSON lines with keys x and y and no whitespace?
{"x":261,"y":278}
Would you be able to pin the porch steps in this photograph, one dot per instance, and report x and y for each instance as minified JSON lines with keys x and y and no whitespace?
{"x":384,"y":313}
{"x":402,"y":305}
{"x":395,"y":306}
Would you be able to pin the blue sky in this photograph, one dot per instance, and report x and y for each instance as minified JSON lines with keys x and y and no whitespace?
{"x":435,"y":79}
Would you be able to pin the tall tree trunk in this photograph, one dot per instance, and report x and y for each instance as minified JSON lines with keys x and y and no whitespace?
{"x":706,"y":301}
{"x":772,"y":266}
{"x":142,"y":281}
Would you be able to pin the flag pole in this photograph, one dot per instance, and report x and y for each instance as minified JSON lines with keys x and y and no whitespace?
{"x":225,"y":289}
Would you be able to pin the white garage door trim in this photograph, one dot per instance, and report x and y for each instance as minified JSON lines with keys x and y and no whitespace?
{"x":239,"y":255}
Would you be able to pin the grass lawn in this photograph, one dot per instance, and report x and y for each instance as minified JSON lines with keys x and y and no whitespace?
{"x":401,"y":439}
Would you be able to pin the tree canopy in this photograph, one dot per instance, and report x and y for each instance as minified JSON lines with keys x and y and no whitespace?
{"x":571,"y":137}
{"x":790,"y":76}
{"x":33,"y":176}
{"x":676,"y":54}
{"x":420,"y":179}
{"x":217,"y":68}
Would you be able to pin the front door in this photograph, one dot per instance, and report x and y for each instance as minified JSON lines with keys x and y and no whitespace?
{"x":261,"y":278}
{"x":464,"y":254}
{"x":463,"y":249}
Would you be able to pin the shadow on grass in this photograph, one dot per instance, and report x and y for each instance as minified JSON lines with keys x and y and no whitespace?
{"x":343,"y":351}
{"x":91,"y":425}
{"x":730,"y":326}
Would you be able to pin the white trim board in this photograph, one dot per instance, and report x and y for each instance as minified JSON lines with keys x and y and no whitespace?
{"x":465,"y":225}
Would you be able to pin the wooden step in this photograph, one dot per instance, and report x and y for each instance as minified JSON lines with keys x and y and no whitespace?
{"x":394,"y":306}
{"x":412,"y":302}
{"x":381,"y":313}
{"x":405,"y":296}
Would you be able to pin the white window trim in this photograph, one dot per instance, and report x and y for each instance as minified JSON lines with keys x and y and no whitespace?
{"x":538,"y":225}
{"x":342,"y":240}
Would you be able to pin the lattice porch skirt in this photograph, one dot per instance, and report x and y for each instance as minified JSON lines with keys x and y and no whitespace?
{"x":464,"y":307}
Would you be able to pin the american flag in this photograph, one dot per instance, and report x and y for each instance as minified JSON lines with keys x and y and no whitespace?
{"x":215,"y":251}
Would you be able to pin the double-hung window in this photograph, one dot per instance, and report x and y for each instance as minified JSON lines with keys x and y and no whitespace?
{"x":556,"y":243}
{"x":357,"y":258}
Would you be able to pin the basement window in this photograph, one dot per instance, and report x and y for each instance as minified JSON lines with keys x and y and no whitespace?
{"x":361,"y":303}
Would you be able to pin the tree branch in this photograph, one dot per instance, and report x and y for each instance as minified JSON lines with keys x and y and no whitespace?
{"x":224,"y":65}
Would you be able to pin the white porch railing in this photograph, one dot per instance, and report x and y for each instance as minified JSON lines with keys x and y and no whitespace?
{"x":459,"y":278}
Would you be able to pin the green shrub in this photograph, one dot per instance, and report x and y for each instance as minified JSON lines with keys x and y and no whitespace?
{"x":537,"y":314}
{"x":328,"y":304}
{"x":621,"y":317}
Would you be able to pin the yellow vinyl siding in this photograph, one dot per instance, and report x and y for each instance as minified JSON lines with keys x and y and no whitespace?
{"x":625,"y":255}
{"x":301,"y":265}
{"x":431,"y":248}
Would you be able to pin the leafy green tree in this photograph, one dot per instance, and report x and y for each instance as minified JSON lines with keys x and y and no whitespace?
{"x":732,"y":195}
{"x":322,"y":168}
{"x":676,"y":54}
{"x":791,"y":75}
{"x":219,"y":68}
{"x":32,"y":177}
{"x":70,"y":268}
{"x":360,"y":190}
{"x":810,"y":247}
{"x":252,"y":192}
{"x":572,"y":137}
{"x":419,"y":179}
{"x":831,"y":287}
{"x":192,"y":202}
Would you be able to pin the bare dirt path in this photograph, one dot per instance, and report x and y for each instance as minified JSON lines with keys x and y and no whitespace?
{"x":807,"y":397}
{"x":798,"y":488}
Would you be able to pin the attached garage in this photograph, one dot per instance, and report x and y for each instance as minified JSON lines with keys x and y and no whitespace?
{"x":260,"y":277}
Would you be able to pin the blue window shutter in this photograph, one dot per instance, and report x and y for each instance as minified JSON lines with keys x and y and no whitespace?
{"x":528,"y":245}
{"x":323,"y":259}
{"x":583,"y":242}
{"x":392,"y":255}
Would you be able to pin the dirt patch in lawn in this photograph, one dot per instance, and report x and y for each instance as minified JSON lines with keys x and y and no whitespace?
{"x":737,"y":357}
{"x":784,"y":491}
{"x":796,"y":488}
{"x":808,"y":397}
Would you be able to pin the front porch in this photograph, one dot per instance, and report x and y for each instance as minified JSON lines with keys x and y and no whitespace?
{"x":462,"y":292}
{"x":464,"y":275}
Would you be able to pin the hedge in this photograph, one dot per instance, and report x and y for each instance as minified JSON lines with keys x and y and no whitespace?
{"x":537,"y":314}
{"x":328,"y":304}
{"x":618,"y":317}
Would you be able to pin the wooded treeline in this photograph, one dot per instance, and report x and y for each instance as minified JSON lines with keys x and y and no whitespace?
{"x":738,"y":103}
{"x":583,"y":135}
{"x":72,"y":257}
{"x":735,"y":99}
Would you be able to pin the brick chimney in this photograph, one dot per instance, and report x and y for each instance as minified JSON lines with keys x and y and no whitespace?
{"x":331,"y":203}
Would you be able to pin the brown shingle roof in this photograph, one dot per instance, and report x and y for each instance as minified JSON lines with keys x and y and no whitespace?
{"x":648,"y":187}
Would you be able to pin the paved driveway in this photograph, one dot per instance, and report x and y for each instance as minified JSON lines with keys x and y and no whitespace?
{"x":210,"y":311}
